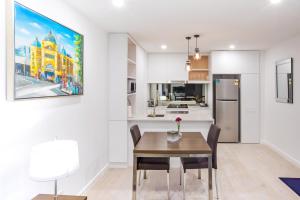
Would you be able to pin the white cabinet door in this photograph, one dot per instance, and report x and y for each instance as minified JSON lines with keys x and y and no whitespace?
{"x":157,"y":68}
{"x":117,"y":76}
{"x":250,"y":108}
{"x":141,"y":81}
{"x":118,"y":141}
{"x":235,"y":62}
{"x":166,"y":67}
{"x":176,"y":67}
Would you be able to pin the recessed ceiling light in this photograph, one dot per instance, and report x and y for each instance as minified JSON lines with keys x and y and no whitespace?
{"x":118,"y":3}
{"x":163,"y":47}
{"x":232,"y":46}
{"x":275,"y":1}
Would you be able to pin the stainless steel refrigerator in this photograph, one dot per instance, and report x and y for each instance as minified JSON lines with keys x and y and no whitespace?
{"x":227,"y":107}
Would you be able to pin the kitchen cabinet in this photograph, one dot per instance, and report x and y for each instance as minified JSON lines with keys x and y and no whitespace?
{"x":117,"y":93}
{"x":117,"y":141}
{"x":235,"y":62}
{"x":163,"y":68}
{"x":176,"y":67}
{"x":199,"y":69}
{"x":250,"y":108}
{"x":122,"y":67}
{"x":247,"y":64}
{"x":157,"y":68}
{"x":166,"y":67}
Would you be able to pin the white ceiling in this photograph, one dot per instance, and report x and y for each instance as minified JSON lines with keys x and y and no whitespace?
{"x":249,"y":24}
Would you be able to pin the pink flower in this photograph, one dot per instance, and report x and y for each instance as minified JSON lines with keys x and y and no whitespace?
{"x":178,"y":120}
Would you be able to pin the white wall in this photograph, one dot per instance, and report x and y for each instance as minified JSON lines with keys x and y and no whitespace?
{"x":25,"y":123}
{"x":280,"y":126}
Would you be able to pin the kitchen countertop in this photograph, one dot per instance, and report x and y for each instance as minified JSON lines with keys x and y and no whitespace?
{"x":196,"y":114}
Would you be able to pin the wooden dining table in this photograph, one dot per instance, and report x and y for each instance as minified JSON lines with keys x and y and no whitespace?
{"x":155,"y":144}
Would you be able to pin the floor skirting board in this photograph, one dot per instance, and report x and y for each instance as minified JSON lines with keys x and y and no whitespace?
{"x":91,"y":182}
{"x":281,"y":153}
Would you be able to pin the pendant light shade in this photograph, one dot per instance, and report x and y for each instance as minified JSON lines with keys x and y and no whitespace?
{"x":197,"y":55}
{"x":188,"y":62}
{"x":188,"y":65}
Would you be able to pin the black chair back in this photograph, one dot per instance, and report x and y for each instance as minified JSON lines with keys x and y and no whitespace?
{"x":135,"y":134}
{"x":212,"y":140}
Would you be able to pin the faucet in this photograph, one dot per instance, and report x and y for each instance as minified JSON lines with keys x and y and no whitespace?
{"x":154,"y":101}
{"x":153,"y":104}
{"x":154,"y":111}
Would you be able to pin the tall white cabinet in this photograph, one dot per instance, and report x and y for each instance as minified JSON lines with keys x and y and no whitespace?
{"x":250,"y":108}
{"x":247,"y":64}
{"x":122,"y":66}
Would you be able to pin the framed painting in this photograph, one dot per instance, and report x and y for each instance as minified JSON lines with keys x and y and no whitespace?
{"x":48,"y":57}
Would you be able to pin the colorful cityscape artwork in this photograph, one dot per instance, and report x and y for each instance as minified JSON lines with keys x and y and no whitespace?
{"x":48,"y":57}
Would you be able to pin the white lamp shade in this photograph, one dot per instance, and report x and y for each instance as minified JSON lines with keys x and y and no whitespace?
{"x":53,"y":160}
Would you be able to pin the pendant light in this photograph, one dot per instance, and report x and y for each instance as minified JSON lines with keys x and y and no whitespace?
{"x":188,"y":62}
{"x":197,"y":55}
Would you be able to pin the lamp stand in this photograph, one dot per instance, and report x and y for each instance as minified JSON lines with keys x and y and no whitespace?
{"x":55,"y":190}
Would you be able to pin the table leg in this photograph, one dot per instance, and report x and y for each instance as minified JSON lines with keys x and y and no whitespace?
{"x":134,"y":174}
{"x":210,"y":192}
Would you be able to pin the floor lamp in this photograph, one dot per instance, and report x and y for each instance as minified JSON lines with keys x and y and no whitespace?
{"x":54,"y":160}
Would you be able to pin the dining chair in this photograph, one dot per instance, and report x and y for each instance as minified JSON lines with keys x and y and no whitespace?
{"x":202,"y":163}
{"x":148,"y":163}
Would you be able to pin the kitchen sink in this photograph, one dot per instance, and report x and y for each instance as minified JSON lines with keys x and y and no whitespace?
{"x":179,"y":112}
{"x":158,"y":115}
{"x":177,"y":105}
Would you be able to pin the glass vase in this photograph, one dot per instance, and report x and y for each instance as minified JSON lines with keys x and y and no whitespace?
{"x":179,"y":131}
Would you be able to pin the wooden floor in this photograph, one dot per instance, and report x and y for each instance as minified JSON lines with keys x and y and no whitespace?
{"x":246,"y":172}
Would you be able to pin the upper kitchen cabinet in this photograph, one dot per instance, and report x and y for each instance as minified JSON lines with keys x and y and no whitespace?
{"x":199,"y":69}
{"x":163,"y":68}
{"x":235,"y":62}
{"x":176,"y":67}
{"x":157,"y":68}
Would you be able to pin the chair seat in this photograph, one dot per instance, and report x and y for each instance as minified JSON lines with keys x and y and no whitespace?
{"x":153,"y":164}
{"x":194,"y":163}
